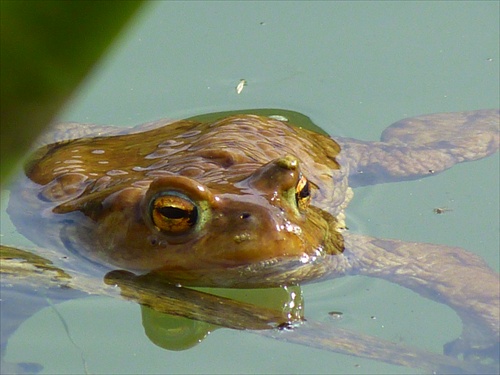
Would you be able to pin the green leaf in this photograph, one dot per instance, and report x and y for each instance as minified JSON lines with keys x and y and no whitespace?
{"x":47,"y":48}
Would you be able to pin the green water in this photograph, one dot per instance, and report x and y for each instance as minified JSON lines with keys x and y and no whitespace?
{"x":354,"y":68}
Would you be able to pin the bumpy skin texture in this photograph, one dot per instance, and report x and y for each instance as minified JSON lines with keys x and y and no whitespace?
{"x":255,"y":225}
{"x":242,"y":174}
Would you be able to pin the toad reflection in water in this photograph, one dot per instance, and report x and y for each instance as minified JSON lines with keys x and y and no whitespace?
{"x":248,"y":201}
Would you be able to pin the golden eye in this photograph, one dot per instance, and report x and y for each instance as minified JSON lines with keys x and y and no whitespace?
{"x":173,"y":213}
{"x":302,"y":193}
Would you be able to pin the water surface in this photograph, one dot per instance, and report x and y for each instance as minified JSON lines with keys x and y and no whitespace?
{"x":354,"y":68}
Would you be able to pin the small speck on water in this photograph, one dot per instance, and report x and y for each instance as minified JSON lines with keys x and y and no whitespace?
{"x":336,"y":314}
{"x":441,"y":210}
{"x":241,"y":85}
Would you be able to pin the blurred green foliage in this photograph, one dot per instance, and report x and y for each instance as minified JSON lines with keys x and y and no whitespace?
{"x":47,"y":48}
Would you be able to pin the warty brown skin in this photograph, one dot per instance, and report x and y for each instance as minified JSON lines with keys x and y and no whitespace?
{"x":93,"y":195}
{"x":241,"y":172}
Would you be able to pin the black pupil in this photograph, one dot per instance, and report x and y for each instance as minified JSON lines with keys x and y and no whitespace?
{"x":178,"y":213}
{"x":304,"y":192}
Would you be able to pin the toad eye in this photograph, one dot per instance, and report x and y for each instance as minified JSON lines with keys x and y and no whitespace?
{"x":302,"y":193}
{"x":173,"y":213}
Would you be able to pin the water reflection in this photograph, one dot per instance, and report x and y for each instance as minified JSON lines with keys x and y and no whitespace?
{"x":283,"y":306}
{"x":178,"y":318}
{"x":113,"y":223}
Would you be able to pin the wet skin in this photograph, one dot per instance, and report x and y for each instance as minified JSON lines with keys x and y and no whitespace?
{"x":251,"y":201}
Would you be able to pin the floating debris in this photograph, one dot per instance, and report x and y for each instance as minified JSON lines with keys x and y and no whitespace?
{"x":441,"y":210}
{"x":336,"y":314}
{"x":240,"y":86}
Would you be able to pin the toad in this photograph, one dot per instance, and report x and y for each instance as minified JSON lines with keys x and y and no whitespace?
{"x":250,"y":201}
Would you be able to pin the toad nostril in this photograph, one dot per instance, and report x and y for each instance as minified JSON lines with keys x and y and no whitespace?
{"x":245,"y":215}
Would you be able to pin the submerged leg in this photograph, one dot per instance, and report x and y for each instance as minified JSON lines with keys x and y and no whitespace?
{"x":421,"y":146}
{"x":445,"y":274}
